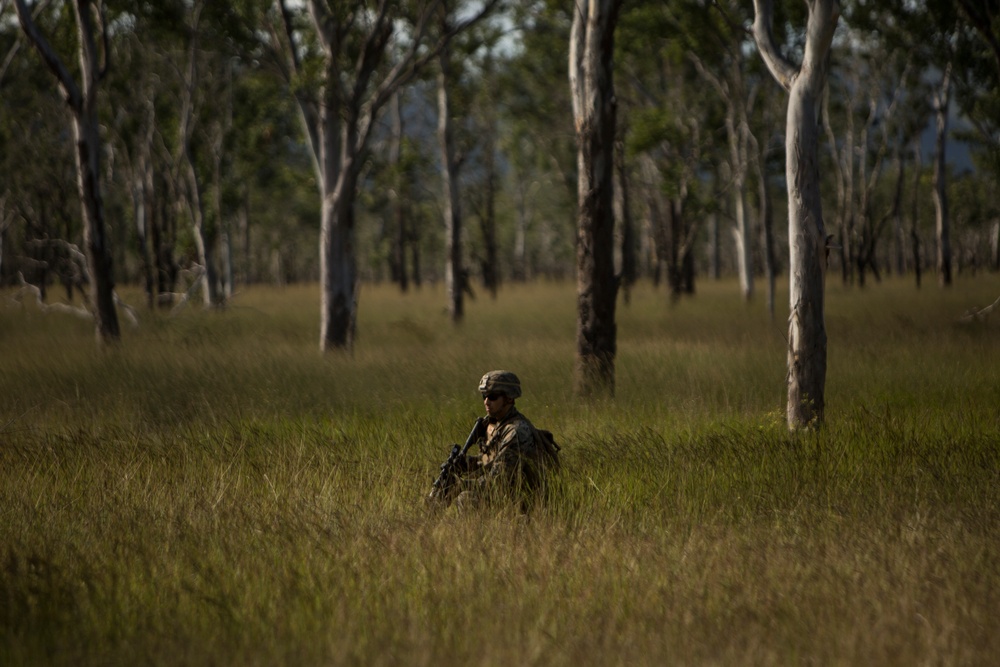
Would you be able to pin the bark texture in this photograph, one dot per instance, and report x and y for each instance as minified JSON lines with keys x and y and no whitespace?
{"x":592,"y":90}
{"x":807,"y":338}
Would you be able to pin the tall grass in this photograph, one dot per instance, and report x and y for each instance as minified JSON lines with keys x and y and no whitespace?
{"x":216,"y":491}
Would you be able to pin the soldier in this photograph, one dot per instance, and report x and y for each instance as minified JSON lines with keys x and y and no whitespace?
{"x":515,"y":458}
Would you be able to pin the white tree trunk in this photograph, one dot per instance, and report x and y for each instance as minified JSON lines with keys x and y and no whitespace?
{"x":454,"y":272}
{"x":204,"y":242}
{"x":741,"y":233}
{"x":806,"y":233}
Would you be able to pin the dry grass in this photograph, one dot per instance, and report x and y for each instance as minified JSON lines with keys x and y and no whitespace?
{"x":216,"y":492}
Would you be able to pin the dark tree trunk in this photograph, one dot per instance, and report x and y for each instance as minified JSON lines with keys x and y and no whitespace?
{"x":592,"y":88}
{"x":629,"y":268}
{"x":397,"y":226}
{"x":943,"y":224}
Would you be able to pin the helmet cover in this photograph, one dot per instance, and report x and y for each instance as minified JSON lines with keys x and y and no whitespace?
{"x":503,"y":382}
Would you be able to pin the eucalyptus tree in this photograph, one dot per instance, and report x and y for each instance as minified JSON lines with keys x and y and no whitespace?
{"x":591,"y":59}
{"x":807,"y":237}
{"x":454,"y":273}
{"x":82,"y":99}
{"x":466,"y":145}
{"x":343,"y":62}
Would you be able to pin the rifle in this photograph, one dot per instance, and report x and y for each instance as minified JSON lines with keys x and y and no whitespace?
{"x":445,"y":480}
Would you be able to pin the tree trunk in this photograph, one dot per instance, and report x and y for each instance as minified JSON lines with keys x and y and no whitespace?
{"x":141,"y":202}
{"x":681,"y":258}
{"x":807,"y":236}
{"x":339,"y":118}
{"x":675,"y":256}
{"x":899,"y":241}
{"x":490,"y":263}
{"x":767,"y":221}
{"x":592,"y":88}
{"x":6,"y":217}
{"x":243,"y":223}
{"x":144,"y":202}
{"x":454,"y":272}
{"x":337,"y":164}
{"x":741,"y":233}
{"x":163,"y":234}
{"x":915,"y":215}
{"x":942,"y":223}
{"x":714,"y":265}
{"x":338,"y":304}
{"x":628,"y":246}
{"x":995,"y":246}
{"x":397,"y":254}
{"x":520,"y":271}
{"x":414,"y":239}
{"x":486,"y":199}
{"x":82,"y":101}
{"x":204,"y":239}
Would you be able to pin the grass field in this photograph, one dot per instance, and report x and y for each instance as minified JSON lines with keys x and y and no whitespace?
{"x":217,"y":492}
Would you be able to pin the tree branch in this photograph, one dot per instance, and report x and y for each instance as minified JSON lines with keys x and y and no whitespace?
{"x":70,"y":88}
{"x":780,"y":67}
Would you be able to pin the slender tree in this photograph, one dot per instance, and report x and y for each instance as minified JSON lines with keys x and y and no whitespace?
{"x":340,"y":95}
{"x":806,"y":234}
{"x":942,"y":101}
{"x":592,"y":86}
{"x":454,"y":271}
{"x":397,"y":197}
{"x":205,"y":239}
{"x":82,"y":101}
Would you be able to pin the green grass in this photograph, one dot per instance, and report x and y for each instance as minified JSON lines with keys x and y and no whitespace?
{"x":216,"y":491}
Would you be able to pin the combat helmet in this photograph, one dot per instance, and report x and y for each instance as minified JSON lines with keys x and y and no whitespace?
{"x":504,"y":382}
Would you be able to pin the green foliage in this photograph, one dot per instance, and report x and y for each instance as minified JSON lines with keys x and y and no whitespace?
{"x":215,"y":491}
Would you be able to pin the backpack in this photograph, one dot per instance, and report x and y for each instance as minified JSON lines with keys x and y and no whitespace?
{"x":545,"y":442}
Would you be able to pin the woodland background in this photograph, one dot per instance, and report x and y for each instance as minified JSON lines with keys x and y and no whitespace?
{"x":203,"y":144}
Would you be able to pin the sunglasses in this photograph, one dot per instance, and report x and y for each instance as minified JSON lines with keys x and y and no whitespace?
{"x":492,"y":397}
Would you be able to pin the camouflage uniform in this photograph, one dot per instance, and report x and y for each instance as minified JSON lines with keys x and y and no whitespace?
{"x":511,"y":466}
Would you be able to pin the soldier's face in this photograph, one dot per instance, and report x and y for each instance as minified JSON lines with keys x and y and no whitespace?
{"x":496,"y":404}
